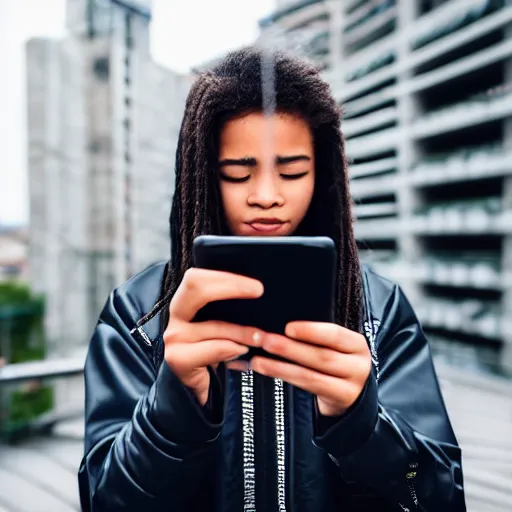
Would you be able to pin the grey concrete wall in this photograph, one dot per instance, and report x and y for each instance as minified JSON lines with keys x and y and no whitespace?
{"x":101,"y":164}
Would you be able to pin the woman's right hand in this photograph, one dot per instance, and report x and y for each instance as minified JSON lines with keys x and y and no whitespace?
{"x":190,"y":347}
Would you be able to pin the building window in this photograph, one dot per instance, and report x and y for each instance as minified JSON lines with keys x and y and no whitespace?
{"x":102,"y":68}
{"x":128,"y":101}
{"x":95,"y":146}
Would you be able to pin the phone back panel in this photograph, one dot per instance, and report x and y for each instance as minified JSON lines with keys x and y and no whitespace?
{"x":298,"y":273}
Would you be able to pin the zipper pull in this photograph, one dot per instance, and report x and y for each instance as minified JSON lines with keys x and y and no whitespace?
{"x":410,"y":476}
{"x":413,"y":466}
{"x":140,"y":333}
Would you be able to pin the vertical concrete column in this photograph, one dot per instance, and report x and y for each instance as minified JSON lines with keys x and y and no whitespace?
{"x":408,"y":110}
{"x":336,"y":53}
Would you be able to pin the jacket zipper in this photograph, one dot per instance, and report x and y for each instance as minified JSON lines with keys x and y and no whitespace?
{"x":248,"y":423}
{"x":413,"y":466}
{"x":410,"y":476}
{"x":247,"y":391}
{"x":280,"y":444}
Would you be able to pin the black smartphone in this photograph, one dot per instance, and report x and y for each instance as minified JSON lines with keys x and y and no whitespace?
{"x":298,"y":274}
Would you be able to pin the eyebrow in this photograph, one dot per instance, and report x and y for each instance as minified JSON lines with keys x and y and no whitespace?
{"x":281,"y":160}
{"x":251,"y":162}
{"x":242,"y":162}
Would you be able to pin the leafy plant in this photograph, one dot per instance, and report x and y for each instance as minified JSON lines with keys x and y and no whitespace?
{"x":22,"y":334}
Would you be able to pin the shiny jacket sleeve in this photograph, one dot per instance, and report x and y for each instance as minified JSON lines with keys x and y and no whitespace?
{"x":397,"y":440}
{"x":148,"y":444}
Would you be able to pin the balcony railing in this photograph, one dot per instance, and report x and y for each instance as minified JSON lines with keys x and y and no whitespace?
{"x":471,"y":316}
{"x":385,"y":116}
{"x":478,"y":109}
{"x":492,"y":22}
{"x":480,"y":271}
{"x":373,"y":168}
{"x":373,"y":29}
{"x":366,"y":13}
{"x":32,"y":374}
{"x":461,"y":67}
{"x":464,"y":217}
{"x":380,"y":61}
{"x":371,"y":101}
{"x":467,"y":13}
{"x":377,"y":229}
{"x":290,"y":11}
{"x":464,"y":165}
{"x":374,"y":186}
{"x":376,"y":210}
{"x":373,"y":144}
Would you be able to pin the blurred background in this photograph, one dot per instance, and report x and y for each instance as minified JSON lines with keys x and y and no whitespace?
{"x":91,"y":99}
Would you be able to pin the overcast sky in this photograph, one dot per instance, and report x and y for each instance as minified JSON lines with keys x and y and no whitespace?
{"x":184,"y":33}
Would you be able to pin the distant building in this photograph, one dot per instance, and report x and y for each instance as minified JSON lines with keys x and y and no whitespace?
{"x":103,"y":127}
{"x":426,"y":89}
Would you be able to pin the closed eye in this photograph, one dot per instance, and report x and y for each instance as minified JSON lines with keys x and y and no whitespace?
{"x":295,"y":176}
{"x":231,"y":179}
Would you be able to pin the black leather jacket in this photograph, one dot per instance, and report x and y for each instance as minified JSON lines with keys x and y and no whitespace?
{"x":149,"y":446}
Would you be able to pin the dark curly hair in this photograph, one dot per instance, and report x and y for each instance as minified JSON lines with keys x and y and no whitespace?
{"x":232,"y":88}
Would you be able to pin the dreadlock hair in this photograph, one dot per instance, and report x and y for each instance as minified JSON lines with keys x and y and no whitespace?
{"x":230,"y":89}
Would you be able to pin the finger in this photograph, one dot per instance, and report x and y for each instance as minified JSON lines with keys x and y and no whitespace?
{"x":178,"y":331}
{"x":183,"y":358}
{"x":328,"y":335}
{"x":338,"y":390}
{"x":250,"y":336}
{"x":201,"y":286}
{"x":322,"y":359}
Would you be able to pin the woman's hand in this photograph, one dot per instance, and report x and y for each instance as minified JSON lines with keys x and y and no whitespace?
{"x":190,"y":347}
{"x":326,"y":360}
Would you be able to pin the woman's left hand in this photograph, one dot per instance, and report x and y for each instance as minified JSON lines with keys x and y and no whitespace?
{"x":326,"y":360}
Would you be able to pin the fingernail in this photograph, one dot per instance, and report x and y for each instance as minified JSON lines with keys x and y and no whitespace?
{"x":239,"y":366}
{"x":256,"y":338}
{"x":290,"y":331}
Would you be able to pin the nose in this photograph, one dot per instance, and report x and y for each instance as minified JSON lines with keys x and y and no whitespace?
{"x":266,"y":192}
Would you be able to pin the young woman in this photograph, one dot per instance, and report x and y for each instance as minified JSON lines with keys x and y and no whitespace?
{"x":355,"y":421}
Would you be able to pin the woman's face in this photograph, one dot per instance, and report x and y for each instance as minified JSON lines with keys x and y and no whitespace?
{"x":267,"y":173}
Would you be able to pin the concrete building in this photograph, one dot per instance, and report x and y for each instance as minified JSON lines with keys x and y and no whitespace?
{"x":103,"y":128}
{"x":426,"y":87}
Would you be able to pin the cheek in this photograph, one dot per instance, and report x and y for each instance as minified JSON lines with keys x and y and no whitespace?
{"x":232,"y":200}
{"x":303,"y":196}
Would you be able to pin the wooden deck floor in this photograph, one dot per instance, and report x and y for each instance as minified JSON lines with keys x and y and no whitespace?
{"x":40,"y":475}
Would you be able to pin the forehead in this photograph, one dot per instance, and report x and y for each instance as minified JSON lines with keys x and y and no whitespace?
{"x":250,"y":133}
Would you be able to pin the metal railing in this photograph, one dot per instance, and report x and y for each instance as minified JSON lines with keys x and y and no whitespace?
{"x":36,"y":372}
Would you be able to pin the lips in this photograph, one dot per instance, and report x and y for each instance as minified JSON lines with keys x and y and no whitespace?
{"x":267,"y":225}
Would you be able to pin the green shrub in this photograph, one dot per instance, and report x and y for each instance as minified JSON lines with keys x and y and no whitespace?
{"x":22,"y":331}
{"x":29,"y":404}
